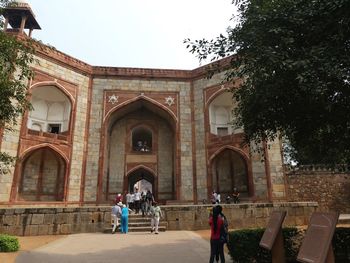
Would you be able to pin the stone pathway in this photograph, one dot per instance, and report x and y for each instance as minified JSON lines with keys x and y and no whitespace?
{"x":169,"y":247}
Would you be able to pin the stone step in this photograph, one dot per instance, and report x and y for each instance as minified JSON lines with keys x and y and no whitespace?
{"x":137,"y":229}
{"x":146,"y":224}
{"x":141,"y":219}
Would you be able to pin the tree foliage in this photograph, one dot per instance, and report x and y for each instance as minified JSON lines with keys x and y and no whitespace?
{"x":15,"y":58}
{"x":294,"y":58}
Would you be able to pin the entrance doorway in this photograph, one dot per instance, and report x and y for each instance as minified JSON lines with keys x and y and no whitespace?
{"x":141,"y":179}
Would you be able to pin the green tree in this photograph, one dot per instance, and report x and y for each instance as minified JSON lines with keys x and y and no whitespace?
{"x":15,"y":58}
{"x":294,"y":58}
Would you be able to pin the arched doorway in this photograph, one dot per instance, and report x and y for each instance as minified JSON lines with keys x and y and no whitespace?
{"x":229,"y":170}
{"x":42,"y":176}
{"x":140,"y":133}
{"x":141,"y":179}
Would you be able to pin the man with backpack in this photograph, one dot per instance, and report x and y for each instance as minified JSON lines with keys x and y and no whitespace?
{"x":149,"y":201}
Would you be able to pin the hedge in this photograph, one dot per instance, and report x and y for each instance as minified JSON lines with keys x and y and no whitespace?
{"x":244,"y":246}
{"x":8,"y":243}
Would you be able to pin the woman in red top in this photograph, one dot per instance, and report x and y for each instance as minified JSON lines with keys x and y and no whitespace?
{"x":216,"y":222}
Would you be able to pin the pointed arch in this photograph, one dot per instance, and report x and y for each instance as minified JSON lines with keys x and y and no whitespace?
{"x":223,"y":170}
{"x":55,"y":84}
{"x":140,"y":166}
{"x":43,"y":174}
{"x":229,"y":147}
{"x":123,"y":110}
{"x":140,"y":98}
{"x":43,"y":145}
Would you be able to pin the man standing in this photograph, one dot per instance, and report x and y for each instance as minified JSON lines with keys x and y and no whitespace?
{"x":115,"y":214}
{"x":156,"y":214}
{"x":149,"y":201}
{"x":137,"y":200}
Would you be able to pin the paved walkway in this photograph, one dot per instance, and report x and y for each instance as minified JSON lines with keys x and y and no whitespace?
{"x":168,"y":247}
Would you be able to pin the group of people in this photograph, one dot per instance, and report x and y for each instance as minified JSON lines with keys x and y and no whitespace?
{"x":217,"y":221}
{"x":135,"y":201}
{"x":142,"y":147}
{"x":216,"y":197}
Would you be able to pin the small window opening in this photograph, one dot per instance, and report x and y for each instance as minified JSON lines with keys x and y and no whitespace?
{"x":222,"y":131}
{"x":54,"y":128}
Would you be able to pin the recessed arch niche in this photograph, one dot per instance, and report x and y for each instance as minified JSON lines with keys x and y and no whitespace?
{"x":43,"y":176}
{"x":139,"y":118}
{"x":51,"y":110}
{"x":221,"y":115}
{"x":230,"y":170}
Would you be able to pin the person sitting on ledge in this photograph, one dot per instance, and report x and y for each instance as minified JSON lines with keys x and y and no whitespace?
{"x":145,"y":147}
{"x":235,"y":196}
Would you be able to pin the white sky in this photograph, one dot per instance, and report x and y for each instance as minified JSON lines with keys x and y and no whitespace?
{"x":130,"y":33}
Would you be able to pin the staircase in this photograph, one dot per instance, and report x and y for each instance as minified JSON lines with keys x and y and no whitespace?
{"x":137,"y":223}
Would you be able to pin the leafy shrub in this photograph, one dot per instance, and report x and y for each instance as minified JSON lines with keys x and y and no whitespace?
{"x":8,"y":243}
{"x":341,"y":244}
{"x":244,"y":246}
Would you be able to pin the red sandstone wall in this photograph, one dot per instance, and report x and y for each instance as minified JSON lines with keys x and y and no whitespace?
{"x":330,"y":190}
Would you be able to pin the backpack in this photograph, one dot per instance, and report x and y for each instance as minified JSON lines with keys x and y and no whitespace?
{"x":149,"y":196}
{"x":224,"y":231}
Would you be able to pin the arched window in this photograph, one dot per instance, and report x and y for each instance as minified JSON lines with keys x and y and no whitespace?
{"x":141,"y":139}
{"x":221,"y":115}
{"x":51,"y":110}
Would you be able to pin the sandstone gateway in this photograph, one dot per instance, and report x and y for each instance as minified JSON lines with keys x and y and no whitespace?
{"x":81,"y":142}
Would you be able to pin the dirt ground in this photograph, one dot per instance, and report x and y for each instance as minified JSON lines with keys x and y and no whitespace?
{"x":26,"y":244}
{"x":32,"y":242}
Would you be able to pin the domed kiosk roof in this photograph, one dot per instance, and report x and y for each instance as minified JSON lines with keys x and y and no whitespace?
{"x":18,"y":9}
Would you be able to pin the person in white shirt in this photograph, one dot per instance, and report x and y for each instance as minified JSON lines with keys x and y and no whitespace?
{"x":218,"y":198}
{"x":156,"y":214}
{"x":137,"y":200}
{"x":115,"y":214}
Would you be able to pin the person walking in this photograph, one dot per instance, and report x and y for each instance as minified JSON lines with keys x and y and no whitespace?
{"x":137,"y":200}
{"x":125,"y":220}
{"x":149,"y":201}
{"x":156,"y":214}
{"x":143,"y":204}
{"x":115,"y":214}
{"x":216,"y":223}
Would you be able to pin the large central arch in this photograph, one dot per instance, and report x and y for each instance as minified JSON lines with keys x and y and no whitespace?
{"x":119,"y":155}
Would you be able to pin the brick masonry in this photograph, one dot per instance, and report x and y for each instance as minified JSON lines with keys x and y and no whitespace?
{"x":330,"y":190}
{"x":62,"y":221}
